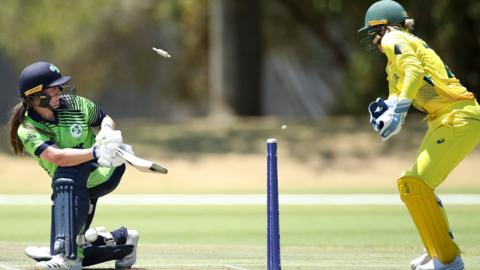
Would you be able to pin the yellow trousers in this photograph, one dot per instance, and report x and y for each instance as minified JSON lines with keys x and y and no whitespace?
{"x":453,"y":132}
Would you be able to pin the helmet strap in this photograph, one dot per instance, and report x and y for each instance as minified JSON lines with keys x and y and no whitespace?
{"x":379,"y":34}
{"x":45,"y":101}
{"x":377,"y":39}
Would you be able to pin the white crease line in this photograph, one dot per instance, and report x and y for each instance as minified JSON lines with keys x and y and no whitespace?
{"x":345,"y":265}
{"x":2,"y":266}
{"x":245,"y":199}
{"x":235,"y":267}
{"x":193,"y":266}
{"x":260,"y":265}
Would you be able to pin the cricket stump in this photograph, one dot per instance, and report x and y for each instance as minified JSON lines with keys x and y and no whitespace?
{"x":273,"y":227}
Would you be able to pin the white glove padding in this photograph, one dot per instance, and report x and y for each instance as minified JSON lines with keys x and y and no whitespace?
{"x":107,"y":135}
{"x":107,"y":156}
{"x":376,"y":109}
{"x":127,"y":148}
{"x":387,"y":116}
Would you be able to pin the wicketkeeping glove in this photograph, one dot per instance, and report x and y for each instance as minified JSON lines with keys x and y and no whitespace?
{"x":387,"y":116}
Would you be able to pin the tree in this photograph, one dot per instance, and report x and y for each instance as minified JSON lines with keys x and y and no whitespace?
{"x":235,"y":56}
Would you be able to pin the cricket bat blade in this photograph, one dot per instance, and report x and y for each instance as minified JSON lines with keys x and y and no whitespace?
{"x":140,"y":163}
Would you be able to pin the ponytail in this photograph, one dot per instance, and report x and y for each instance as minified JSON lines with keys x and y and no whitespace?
{"x":16,"y":118}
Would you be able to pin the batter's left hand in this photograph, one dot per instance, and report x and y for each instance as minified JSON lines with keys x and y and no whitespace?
{"x":107,"y":135}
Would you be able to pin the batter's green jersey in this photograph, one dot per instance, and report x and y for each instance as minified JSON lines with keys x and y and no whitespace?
{"x":72,"y":128}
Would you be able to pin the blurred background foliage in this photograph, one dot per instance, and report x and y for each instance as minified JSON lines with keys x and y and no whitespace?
{"x":299,"y":59}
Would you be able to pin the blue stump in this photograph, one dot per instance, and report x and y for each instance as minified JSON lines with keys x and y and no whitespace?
{"x":273,"y":227}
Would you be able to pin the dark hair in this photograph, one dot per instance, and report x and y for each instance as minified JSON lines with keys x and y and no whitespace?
{"x":17,"y":116}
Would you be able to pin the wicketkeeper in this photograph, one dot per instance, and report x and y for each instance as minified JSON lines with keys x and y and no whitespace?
{"x":417,"y":77}
{"x":55,"y":126}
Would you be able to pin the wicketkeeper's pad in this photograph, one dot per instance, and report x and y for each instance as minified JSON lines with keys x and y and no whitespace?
{"x":429,"y":220}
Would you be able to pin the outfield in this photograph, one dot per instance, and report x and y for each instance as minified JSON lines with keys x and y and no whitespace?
{"x":338,"y":156}
{"x":233,"y":237}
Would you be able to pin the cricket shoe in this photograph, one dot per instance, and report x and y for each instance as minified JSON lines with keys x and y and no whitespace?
{"x":435,"y":264}
{"x":38,"y":253}
{"x":130,"y":259}
{"x":419,"y":261}
{"x":58,"y":262}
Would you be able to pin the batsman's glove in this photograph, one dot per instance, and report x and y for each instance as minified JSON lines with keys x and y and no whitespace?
{"x":107,"y":135}
{"x":127,"y":148}
{"x":106,"y":155}
{"x":387,"y":116}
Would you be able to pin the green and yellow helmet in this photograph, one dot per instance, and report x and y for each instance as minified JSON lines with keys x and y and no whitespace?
{"x":384,"y":12}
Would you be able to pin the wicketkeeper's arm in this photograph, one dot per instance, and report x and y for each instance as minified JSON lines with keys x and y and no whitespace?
{"x":400,"y":52}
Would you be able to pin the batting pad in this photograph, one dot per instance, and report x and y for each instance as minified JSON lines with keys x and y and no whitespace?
{"x":429,"y":220}
{"x":99,"y":254}
{"x":70,"y":210}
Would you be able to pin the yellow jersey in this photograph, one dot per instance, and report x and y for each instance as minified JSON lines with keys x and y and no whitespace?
{"x":416,"y":72}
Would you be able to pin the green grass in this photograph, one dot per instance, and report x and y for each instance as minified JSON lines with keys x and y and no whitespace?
{"x":194,"y":237}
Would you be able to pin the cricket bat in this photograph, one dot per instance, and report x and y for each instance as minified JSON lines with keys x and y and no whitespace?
{"x":140,"y":163}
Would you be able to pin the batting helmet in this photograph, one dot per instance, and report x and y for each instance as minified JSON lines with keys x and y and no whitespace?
{"x":40,"y":76}
{"x":384,"y":12}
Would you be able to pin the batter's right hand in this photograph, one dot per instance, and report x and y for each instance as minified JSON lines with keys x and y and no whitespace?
{"x":107,"y":156}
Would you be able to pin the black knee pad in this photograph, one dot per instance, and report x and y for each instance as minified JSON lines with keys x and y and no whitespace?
{"x":99,"y":254}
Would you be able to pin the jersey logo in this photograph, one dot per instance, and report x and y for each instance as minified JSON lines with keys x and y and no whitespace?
{"x":76,"y":130}
{"x":31,"y":137}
